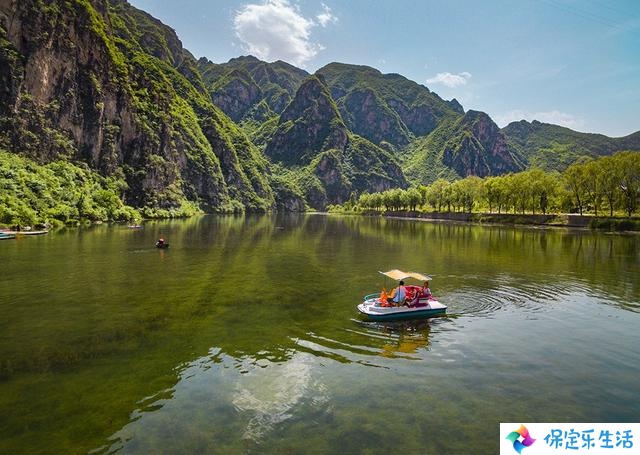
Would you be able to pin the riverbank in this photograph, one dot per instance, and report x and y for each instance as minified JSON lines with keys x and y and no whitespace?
{"x":554,"y":220}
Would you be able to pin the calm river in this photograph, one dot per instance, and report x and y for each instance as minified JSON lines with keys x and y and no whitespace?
{"x":243,"y":336}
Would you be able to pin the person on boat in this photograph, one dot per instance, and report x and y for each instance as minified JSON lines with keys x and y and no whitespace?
{"x":399,"y":294}
{"x":425,"y":289}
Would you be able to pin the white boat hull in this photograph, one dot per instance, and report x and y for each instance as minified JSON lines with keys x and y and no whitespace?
{"x":371,"y":309}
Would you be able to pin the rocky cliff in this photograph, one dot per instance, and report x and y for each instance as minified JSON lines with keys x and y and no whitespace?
{"x":332,"y":163}
{"x":104,"y":83}
{"x":469,"y":145}
{"x":106,"y":86}
{"x":478,"y":147}
{"x":385,"y":107}
{"x":246,"y":88}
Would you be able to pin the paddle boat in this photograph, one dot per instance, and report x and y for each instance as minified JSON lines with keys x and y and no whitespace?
{"x":417,"y":304}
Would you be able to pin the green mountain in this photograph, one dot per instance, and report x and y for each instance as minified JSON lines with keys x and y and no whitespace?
{"x":330,"y":161}
{"x":469,"y":145}
{"x":385,"y":107}
{"x":555,"y":147}
{"x":106,"y":84}
{"x":246,"y":88}
{"x":108,"y":89}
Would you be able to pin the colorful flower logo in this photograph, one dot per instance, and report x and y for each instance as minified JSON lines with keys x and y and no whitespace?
{"x":519,"y":444}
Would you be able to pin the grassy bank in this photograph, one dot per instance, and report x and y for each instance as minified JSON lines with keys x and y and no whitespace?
{"x":562,"y":220}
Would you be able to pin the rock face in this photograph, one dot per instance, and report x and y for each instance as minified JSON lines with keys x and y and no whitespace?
{"x":385,"y":107}
{"x":310,"y":124}
{"x":456,"y":106}
{"x":108,"y":87}
{"x":102,"y":82}
{"x":312,"y":136}
{"x":478,"y":147}
{"x":237,"y":95}
{"x":246,"y":88}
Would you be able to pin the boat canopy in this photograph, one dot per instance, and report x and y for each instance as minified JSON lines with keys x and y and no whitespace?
{"x":398,"y":275}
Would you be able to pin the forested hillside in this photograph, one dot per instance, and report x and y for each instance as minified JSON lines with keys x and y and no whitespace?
{"x":104,"y":86}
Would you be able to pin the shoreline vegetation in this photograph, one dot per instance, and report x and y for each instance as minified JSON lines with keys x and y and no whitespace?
{"x":63,"y":193}
{"x":566,"y":220}
{"x":602,"y":194}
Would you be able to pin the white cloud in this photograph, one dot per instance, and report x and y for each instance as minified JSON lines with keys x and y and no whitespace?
{"x":326,"y":17}
{"x":449,"y":79}
{"x":555,"y":117}
{"x":275,"y":29}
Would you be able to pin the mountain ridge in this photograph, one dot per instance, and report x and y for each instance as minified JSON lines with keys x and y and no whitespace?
{"x":103,"y":83}
{"x":312,"y":135}
{"x":551,"y":146}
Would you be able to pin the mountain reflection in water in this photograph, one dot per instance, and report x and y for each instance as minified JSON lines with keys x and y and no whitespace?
{"x":244,"y":337}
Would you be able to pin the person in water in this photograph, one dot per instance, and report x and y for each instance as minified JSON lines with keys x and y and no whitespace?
{"x":399,"y":294}
{"x":160,"y":243}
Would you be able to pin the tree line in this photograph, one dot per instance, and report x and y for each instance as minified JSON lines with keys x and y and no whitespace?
{"x":610,"y":184}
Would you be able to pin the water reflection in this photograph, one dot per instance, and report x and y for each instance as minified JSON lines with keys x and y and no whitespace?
{"x":305,"y":271}
{"x":266,"y":391}
{"x":245,"y":330}
{"x":399,"y":338}
{"x":232,"y":405}
{"x":271,"y":396}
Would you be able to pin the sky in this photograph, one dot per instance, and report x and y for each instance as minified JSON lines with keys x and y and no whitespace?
{"x":574,"y":63}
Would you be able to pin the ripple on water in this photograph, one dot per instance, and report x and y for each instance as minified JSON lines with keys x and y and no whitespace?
{"x":369,"y":343}
{"x":510,"y":294}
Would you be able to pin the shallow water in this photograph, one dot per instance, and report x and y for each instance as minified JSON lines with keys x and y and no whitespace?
{"x":243,"y":336}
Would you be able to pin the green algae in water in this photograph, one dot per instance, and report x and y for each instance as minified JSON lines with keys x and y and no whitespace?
{"x":243,"y":336}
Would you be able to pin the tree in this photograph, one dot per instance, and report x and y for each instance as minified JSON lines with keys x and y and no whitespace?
{"x":414,"y":198}
{"x":364,"y":201}
{"x":437,"y":194}
{"x":519,"y":190}
{"x":424,"y":190}
{"x":593,"y":184}
{"x":492,"y":192}
{"x":376,"y":201}
{"x":541,"y":188}
{"x":448,"y":196}
{"x":467,"y":191}
{"x":455,"y":195}
{"x":550,"y":184}
{"x":629,"y":163}
{"x":610,"y":173}
{"x":404,"y":201}
{"x":574,"y":178}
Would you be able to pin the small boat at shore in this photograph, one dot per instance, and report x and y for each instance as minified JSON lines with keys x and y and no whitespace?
{"x":14,"y":233}
{"x":417,"y":304}
{"x":6,"y":236}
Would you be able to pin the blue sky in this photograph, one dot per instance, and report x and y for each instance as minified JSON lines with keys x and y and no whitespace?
{"x":569,"y":62}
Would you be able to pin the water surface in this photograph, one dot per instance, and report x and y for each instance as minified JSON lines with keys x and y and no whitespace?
{"x":243,"y":336}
